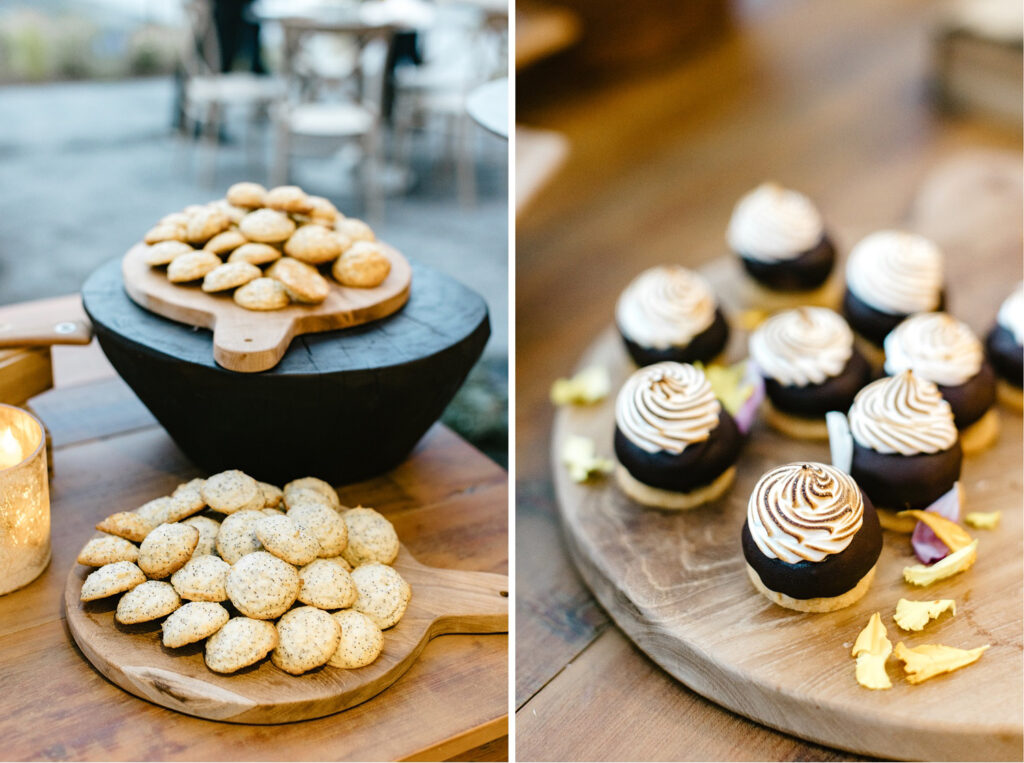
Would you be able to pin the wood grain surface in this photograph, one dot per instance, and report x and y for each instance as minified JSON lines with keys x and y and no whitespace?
{"x":448,"y":502}
{"x":830,"y":99}
{"x":249,"y":341}
{"x":444,"y":602}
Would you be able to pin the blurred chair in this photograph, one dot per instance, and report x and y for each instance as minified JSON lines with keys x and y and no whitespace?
{"x":460,"y":51}
{"x":208,"y":93}
{"x":334,"y":101}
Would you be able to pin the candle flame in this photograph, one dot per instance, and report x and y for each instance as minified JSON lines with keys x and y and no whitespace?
{"x":10,"y":450}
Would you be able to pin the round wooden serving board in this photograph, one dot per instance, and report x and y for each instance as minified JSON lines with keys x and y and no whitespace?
{"x":676,"y":584}
{"x":443,"y":602}
{"x":250,"y":341}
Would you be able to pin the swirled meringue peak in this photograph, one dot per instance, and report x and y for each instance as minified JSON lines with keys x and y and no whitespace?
{"x":772,"y":223}
{"x":935,"y":346}
{"x":1011,"y":314}
{"x":804,"y":511}
{"x":806,"y":345}
{"x":665,"y":306}
{"x":896,"y":273}
{"x":903,"y":414}
{"x":666,"y":407}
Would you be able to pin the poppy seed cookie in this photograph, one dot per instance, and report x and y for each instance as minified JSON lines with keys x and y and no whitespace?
{"x":229,"y":276}
{"x":262,"y":586}
{"x":193,"y":622}
{"x":371,"y":537}
{"x":249,"y":195}
{"x":107,"y":550}
{"x":225,"y":242}
{"x":266,"y":226}
{"x":364,"y":265}
{"x":307,"y":639}
{"x":288,"y":198}
{"x":191,"y":266}
{"x":326,"y":584}
{"x":147,"y":601}
{"x":255,"y":254}
{"x":128,"y":525}
{"x":318,"y":486}
{"x":239,"y":643}
{"x":203,"y":578}
{"x":286,"y":539}
{"x":262,"y":294}
{"x":167,"y":549}
{"x":303,"y":282}
{"x":111,"y":579}
{"x":383,"y":594}
{"x":163,"y":252}
{"x":237,"y":535}
{"x":324,"y":524}
{"x":230,"y":491}
{"x":361,"y":640}
{"x":313,"y":244}
{"x":208,"y":529}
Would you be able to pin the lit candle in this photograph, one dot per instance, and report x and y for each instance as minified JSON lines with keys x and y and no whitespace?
{"x":24,"y":499}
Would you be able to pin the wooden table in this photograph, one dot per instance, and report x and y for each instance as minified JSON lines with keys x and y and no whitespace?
{"x":827,"y":100}
{"x":448,"y":503}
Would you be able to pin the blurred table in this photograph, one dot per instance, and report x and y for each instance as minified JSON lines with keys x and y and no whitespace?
{"x":543,"y":30}
{"x":488,"y":105}
{"x":448,"y":502}
{"x":828,"y":100}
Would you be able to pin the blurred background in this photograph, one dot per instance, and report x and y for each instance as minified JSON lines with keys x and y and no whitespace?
{"x":639,"y":126}
{"x":117,"y":112}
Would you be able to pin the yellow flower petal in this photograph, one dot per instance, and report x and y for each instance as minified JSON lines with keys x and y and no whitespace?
{"x":983,"y":520}
{"x":950,"y":533}
{"x":914,"y":615}
{"x":588,"y":386}
{"x":956,"y":562}
{"x":581,"y":460}
{"x":930,"y":660}
{"x":872,"y":648}
{"x":727,"y":384}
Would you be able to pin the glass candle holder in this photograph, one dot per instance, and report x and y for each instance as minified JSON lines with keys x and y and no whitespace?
{"x":24,"y":499}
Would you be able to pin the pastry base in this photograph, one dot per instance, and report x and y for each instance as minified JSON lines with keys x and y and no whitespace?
{"x":889,"y":521}
{"x":754,"y":296}
{"x":819,"y":605}
{"x":794,"y":426}
{"x":1010,"y":396}
{"x":671,"y":499}
{"x":981,"y":434}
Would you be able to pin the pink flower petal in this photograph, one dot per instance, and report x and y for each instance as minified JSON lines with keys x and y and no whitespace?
{"x":927,"y":547}
{"x":748,"y":411}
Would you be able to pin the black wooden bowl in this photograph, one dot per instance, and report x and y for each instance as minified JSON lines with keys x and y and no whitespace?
{"x":341,"y":405}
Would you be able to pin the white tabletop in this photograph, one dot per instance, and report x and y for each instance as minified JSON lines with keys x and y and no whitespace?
{"x":488,"y":105}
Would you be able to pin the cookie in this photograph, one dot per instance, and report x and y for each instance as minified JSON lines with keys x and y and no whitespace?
{"x":246,"y":195}
{"x":354,"y":230}
{"x":286,"y":539}
{"x":128,"y":525}
{"x":324,"y":524}
{"x":107,"y":549}
{"x":262,"y":586}
{"x":322,"y":211}
{"x":147,"y":601}
{"x":302,"y":282}
{"x":266,"y":226}
{"x":383,"y":594}
{"x":165,"y":232}
{"x":191,"y":266}
{"x":157,"y":511}
{"x":208,"y":529}
{"x":190,"y":494}
{"x":313,"y":244}
{"x":193,"y":622}
{"x":231,"y":491}
{"x":307,"y":637}
{"x":164,"y":252}
{"x":239,"y":643}
{"x":167,"y":549}
{"x":371,"y":537}
{"x":364,"y":265}
{"x":205,"y":223}
{"x":361,"y":640}
{"x":326,"y":585}
{"x":272,"y":512}
{"x":262,"y":294}
{"x":174,"y":218}
{"x":203,"y":578}
{"x":342,"y":561}
{"x":234,"y":213}
{"x":237,"y":535}
{"x":225,"y":242}
{"x":288,"y":198}
{"x":292,"y":490}
{"x":272,"y":495}
{"x":255,"y":254}
{"x":230,"y":275}
{"x":111,"y":579}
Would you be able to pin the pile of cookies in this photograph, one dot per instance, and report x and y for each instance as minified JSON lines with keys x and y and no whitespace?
{"x":254,"y":570}
{"x":267,"y":246}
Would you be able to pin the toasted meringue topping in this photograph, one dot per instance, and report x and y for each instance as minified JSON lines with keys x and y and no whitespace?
{"x":665,"y":306}
{"x":1011,"y":314}
{"x":666,"y":407}
{"x":803,"y":346}
{"x":936,"y":347}
{"x":902,"y":414}
{"x":804,"y":511}
{"x":895,"y":272}
{"x":772,"y":223}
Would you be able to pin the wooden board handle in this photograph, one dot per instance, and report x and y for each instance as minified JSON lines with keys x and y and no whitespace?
{"x":13,"y":334}
{"x":251,"y":343}
{"x":475,"y":602}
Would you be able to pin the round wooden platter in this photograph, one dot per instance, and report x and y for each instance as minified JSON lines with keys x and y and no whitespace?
{"x":250,"y":341}
{"x":676,"y":584}
{"x":443,"y":602}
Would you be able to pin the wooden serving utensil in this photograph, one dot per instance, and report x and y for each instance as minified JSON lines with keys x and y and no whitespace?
{"x":45,"y":334}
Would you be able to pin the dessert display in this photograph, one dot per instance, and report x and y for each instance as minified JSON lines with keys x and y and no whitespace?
{"x":810,"y":366}
{"x":780,"y":238}
{"x":675,"y":443}
{"x":890,"y":275}
{"x":670,"y":313}
{"x":253,"y":570}
{"x":811,"y":538}
{"x":1005,"y":346}
{"x":943,"y":350}
{"x":906,"y":447}
{"x":267,"y":247}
